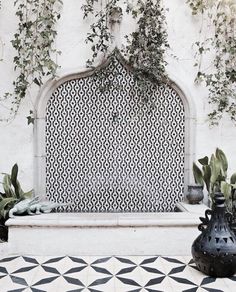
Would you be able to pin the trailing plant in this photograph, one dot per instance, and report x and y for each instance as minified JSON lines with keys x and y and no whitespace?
{"x":100,"y":34}
{"x":217,"y":39}
{"x":12,"y":192}
{"x":34,"y":44}
{"x":147,"y":45}
{"x":213,"y":175}
{"x":145,"y":49}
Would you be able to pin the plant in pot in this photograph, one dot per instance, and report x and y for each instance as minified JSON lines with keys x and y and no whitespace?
{"x":11,"y":194}
{"x":215,"y":248}
{"x":213,"y":176}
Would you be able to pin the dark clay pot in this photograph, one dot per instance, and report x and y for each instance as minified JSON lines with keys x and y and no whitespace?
{"x":195,"y":194}
{"x":214,"y":250}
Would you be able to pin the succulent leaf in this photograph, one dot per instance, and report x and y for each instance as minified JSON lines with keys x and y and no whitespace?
{"x":197,"y":173}
{"x":233,"y":178}
{"x":215,"y":169}
{"x":223,"y":160}
{"x":21,"y":193}
{"x":29,"y":194}
{"x":204,"y":160}
{"x":207,"y":176}
{"x":4,"y":203}
{"x":226,"y":190}
{"x":13,"y":192}
{"x":14,"y":173}
{"x":7,"y":186}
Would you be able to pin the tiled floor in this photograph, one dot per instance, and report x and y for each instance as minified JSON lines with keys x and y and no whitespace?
{"x":107,"y":274}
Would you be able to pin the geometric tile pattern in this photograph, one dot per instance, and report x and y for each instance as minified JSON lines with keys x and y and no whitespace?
{"x":107,"y":274}
{"x":108,"y":151}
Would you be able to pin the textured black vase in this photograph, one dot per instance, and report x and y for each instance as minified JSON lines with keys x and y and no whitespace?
{"x":214,"y":250}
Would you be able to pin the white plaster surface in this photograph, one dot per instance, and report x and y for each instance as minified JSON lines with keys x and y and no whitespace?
{"x":105,"y":234}
{"x":17,"y":142}
{"x":102,"y":240}
{"x":3,"y":249}
{"x":107,"y":219}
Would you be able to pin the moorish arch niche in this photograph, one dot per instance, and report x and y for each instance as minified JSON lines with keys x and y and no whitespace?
{"x":109,"y":151}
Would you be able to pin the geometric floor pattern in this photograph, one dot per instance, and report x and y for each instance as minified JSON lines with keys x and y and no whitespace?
{"x":107,"y":274}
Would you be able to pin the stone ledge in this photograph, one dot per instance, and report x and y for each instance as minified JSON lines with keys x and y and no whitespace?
{"x":190,"y":217}
{"x":105,"y":233}
{"x":191,"y":208}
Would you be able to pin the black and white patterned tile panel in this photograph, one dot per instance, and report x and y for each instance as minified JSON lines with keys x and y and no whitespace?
{"x":107,"y":274}
{"x":108,"y":151}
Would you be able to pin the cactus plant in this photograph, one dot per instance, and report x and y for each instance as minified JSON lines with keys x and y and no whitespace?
{"x":213,"y":175}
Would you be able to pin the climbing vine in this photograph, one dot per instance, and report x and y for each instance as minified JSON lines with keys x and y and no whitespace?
{"x":100,"y":34}
{"x":147,"y":45}
{"x":34,"y":45}
{"x":217,"y":42}
{"x":145,"y":48}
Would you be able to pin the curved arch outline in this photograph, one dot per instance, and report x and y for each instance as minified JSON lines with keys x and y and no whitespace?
{"x":50,"y":86}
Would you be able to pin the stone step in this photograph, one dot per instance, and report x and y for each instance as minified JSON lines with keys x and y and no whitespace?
{"x":105,"y":233}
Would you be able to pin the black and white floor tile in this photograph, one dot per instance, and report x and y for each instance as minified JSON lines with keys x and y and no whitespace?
{"x":107,"y":274}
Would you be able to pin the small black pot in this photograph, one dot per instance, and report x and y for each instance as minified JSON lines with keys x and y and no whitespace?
{"x":195,"y":194}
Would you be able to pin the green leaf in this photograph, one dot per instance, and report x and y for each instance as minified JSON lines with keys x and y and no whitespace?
{"x":14,"y":173}
{"x":4,"y":203}
{"x":30,"y":120}
{"x":21,"y":193}
{"x":28,"y":194}
{"x":233,"y":178}
{"x":197,"y":173}
{"x":207,"y":176}
{"x":7,"y":186}
{"x":223,"y":160}
{"x":226,"y":190}
{"x":204,"y":160}
{"x":215,"y":169}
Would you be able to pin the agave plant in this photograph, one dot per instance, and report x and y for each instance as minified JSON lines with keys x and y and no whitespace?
{"x":213,"y":175}
{"x":12,"y":192}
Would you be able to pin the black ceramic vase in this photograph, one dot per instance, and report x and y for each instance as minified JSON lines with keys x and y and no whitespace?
{"x":214,"y":250}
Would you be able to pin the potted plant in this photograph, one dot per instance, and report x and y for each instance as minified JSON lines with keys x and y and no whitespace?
{"x":213,"y":176}
{"x":11,"y":194}
{"x":214,"y":249}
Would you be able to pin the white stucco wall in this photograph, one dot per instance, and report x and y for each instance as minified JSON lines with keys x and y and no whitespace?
{"x":16,"y":138}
